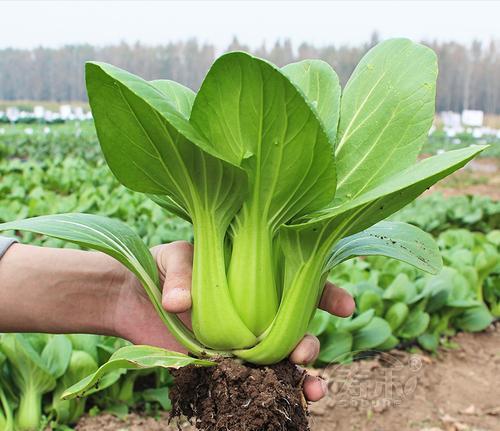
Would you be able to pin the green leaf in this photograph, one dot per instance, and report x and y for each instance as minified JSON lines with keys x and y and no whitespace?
{"x":170,"y":205}
{"x":118,"y":410}
{"x":415,"y":325}
{"x":96,"y":232}
{"x":148,"y":143}
{"x":474,"y":319}
{"x":134,"y":358}
{"x":386,"y":112}
{"x":81,"y":365}
{"x":494,"y":237}
{"x":117,"y":240}
{"x":371,"y":300}
{"x":251,"y":112}
{"x":336,"y":348}
{"x":371,"y":335}
{"x":87,"y":343}
{"x":68,"y":411}
{"x":437,"y":299}
{"x":357,"y":322}
{"x":182,"y":98}
{"x":158,"y":395}
{"x":394,"y":193}
{"x":401,"y":289}
{"x":429,"y":341}
{"x":388,"y":344}
{"x":56,"y":355}
{"x":319,"y":322}
{"x":397,"y":240}
{"x":396,"y":315}
{"x":320,"y":84}
{"x":28,"y":367}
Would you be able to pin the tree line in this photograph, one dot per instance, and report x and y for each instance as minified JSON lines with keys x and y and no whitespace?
{"x":469,"y":75}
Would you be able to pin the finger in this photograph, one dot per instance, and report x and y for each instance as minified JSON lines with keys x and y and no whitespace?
{"x":178,"y":263}
{"x":306,"y":351}
{"x":337,"y":301}
{"x":314,"y":388}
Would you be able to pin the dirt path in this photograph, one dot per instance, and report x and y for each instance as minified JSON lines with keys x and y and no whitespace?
{"x":458,"y":390}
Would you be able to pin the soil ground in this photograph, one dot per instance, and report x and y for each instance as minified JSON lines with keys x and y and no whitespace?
{"x":456,"y":390}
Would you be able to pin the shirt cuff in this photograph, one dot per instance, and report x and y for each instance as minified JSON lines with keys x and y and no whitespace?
{"x":5,"y":243}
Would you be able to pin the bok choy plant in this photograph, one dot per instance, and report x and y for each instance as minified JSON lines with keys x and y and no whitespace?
{"x":283,"y":176}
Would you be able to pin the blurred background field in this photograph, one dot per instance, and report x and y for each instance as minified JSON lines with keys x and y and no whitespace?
{"x":49,"y":167}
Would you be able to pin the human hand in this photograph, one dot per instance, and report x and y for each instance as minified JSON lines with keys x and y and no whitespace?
{"x":136,"y":320}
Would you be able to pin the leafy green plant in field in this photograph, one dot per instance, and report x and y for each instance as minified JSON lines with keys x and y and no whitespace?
{"x":33,"y":372}
{"x":50,"y":142}
{"x":435,"y":214}
{"x":400,"y":305}
{"x":33,"y":188}
{"x":282,"y":179}
{"x":32,"y":366}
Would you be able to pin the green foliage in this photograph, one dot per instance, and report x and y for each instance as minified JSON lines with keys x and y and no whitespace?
{"x":435,"y":214}
{"x":415,"y":307}
{"x":35,"y":365}
{"x":132,"y":358}
{"x":278,"y":195}
{"x":33,"y":374}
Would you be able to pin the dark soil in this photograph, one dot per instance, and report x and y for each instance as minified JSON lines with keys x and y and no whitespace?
{"x":234,"y":396}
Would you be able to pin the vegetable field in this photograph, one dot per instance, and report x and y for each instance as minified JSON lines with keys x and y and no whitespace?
{"x":60,"y":169}
{"x":271,"y":220}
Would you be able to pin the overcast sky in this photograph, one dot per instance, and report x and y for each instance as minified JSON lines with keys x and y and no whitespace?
{"x":55,"y":23}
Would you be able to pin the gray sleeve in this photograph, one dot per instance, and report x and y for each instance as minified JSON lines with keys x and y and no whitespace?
{"x":5,"y":243}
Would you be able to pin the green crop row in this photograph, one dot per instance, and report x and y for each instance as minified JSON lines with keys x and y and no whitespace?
{"x":79,"y":139}
{"x":398,"y":305}
{"x":54,"y":142}
{"x":60,"y":169}
{"x":435,"y":214}
{"x":36,"y":368}
{"x":30,"y":188}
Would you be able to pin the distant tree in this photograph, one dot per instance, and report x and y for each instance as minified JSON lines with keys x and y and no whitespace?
{"x":469,"y":74}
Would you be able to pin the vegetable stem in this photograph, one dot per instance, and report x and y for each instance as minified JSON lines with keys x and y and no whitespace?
{"x":216,"y":322}
{"x":251,"y":274}
{"x":29,"y":412}
{"x":7,"y":419}
{"x":294,"y":314}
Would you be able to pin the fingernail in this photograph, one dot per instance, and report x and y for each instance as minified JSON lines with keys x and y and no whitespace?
{"x":324,"y":385}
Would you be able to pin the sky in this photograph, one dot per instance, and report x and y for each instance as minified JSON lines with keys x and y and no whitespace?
{"x":27,"y":24}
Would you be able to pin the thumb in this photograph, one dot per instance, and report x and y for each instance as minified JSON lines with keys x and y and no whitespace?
{"x":177,"y":260}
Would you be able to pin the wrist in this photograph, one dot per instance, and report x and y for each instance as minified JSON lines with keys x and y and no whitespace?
{"x":101,"y":280}
{"x":56,"y":290}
